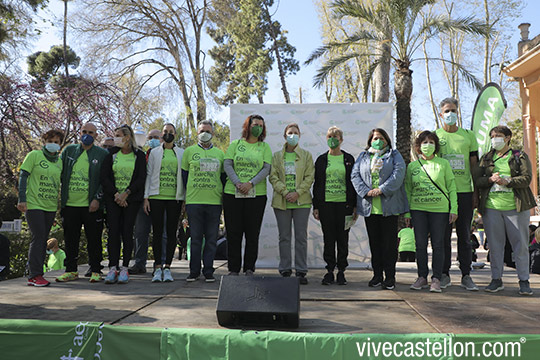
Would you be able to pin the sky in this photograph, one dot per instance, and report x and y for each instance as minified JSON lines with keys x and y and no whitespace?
{"x":300,"y":19}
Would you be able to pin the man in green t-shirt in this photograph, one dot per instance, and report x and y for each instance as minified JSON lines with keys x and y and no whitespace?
{"x":204,"y":177}
{"x":460,"y":148}
{"x":81,"y":202}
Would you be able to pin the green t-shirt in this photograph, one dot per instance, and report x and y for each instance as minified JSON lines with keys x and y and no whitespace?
{"x":248,"y":159}
{"x":205,"y":167}
{"x":43,"y":183}
{"x":168,"y":177}
{"x":290,"y":179}
{"x":335,"y":187}
{"x":79,"y":182}
{"x":422,"y":194}
{"x":56,"y":260}
{"x":456,"y":148}
{"x":501,"y":197}
{"x":406,"y":240}
{"x":376,"y":205}
{"x":123,"y":167}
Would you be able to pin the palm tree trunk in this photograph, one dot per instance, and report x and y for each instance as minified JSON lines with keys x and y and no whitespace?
{"x":403,"y":90}
{"x":381,"y":74}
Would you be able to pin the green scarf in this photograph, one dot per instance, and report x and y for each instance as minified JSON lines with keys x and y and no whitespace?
{"x":51,"y":157}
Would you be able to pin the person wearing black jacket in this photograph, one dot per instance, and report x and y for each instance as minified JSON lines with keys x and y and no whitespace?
{"x":334,"y":198}
{"x":122,"y":177}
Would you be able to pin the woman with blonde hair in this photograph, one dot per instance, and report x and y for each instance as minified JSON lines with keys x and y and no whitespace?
{"x":122,"y":177}
{"x":334,"y":199}
{"x":291,"y":176}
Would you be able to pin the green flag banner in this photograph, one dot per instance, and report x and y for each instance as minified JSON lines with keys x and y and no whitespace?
{"x":488,"y":109}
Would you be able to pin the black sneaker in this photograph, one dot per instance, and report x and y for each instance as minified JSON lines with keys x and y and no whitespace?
{"x":525,"y":288}
{"x":302,"y":278}
{"x":192,"y":278}
{"x":286,"y":273}
{"x":389,"y":284}
{"x":375,"y":281}
{"x":135,"y":270}
{"x":209,"y":278}
{"x":328,"y":278}
{"x":341,"y":278}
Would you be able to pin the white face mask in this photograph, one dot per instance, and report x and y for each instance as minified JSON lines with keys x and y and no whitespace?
{"x":205,"y":137}
{"x":497,"y":143}
{"x":450,"y":118}
{"x":118,"y":141}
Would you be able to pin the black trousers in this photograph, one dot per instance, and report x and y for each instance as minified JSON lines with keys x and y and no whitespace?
{"x":383,"y":242}
{"x":173,"y":208}
{"x":332,"y":217}
{"x":121,"y":223}
{"x":463,"y":232}
{"x":243,"y":217}
{"x":73,"y":218}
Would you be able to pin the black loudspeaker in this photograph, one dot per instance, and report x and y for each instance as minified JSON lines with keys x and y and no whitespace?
{"x":258,"y":301}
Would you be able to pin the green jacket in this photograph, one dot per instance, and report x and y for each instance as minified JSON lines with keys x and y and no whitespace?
{"x":305,"y":174}
{"x":521,"y":175}
{"x":69,"y":157}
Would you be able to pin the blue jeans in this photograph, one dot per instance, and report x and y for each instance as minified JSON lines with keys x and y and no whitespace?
{"x":203,"y":222}
{"x":430,"y":224}
{"x":143,"y":225}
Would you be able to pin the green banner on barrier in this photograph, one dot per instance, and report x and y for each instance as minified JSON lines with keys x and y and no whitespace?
{"x":58,"y":340}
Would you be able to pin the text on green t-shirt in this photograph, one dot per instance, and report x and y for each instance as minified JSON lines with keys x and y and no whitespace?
{"x":79,"y":182}
{"x":43,"y":183}
{"x":501,"y":197}
{"x":123,"y":167}
{"x":205,"y":167}
{"x":335,"y":187}
{"x":168,"y":178}
{"x":248,"y":160}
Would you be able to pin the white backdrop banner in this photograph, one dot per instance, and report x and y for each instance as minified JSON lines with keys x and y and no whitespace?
{"x":356,"y":120}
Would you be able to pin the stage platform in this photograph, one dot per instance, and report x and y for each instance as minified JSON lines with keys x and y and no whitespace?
{"x":353,"y":308}
{"x":144,"y":320}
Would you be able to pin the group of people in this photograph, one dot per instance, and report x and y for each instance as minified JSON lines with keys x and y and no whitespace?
{"x":435,"y":192}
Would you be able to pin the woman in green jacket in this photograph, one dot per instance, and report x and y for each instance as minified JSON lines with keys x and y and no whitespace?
{"x":292,"y":175}
{"x":503,"y":177}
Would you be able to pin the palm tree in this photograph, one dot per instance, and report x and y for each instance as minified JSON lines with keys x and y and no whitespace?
{"x":400,"y":24}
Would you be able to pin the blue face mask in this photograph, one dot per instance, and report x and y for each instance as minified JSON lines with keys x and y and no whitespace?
{"x":292,"y":139}
{"x":153,"y":143}
{"x":450,"y":118}
{"x":87,"y":139}
{"x":52,"y":147}
{"x":49,"y":252}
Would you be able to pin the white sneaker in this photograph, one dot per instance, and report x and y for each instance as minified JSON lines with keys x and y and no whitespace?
{"x":158,"y":275}
{"x":167,"y":276}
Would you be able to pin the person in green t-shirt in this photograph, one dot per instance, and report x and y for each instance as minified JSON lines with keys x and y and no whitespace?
{"x":247,"y":164}
{"x":82,"y":203}
{"x":505,"y":200}
{"x":334,"y":204}
{"x":203,"y":176}
{"x":39,"y":185}
{"x":56,"y":255}
{"x":163,"y":198}
{"x":291,"y":176}
{"x":377,"y":177}
{"x":407,"y":245}
{"x":431,"y":192}
{"x":460,"y":148}
{"x":122,"y":178}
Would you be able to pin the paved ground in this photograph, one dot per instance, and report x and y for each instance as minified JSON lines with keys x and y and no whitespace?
{"x":354,"y":308}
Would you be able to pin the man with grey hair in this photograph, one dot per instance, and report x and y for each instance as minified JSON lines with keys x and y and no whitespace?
{"x":460,"y":148}
{"x":203,"y":175}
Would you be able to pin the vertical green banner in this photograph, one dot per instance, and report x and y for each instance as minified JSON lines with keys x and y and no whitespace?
{"x":488,"y":109}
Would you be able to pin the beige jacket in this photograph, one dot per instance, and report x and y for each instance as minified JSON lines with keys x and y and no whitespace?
{"x":305,"y":174}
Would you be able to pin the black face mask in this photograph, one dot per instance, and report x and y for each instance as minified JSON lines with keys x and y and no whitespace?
{"x":168,"y":137}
